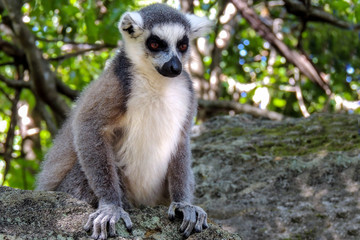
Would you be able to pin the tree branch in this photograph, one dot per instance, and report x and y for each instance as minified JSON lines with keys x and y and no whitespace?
{"x":74,"y":54}
{"x":66,"y":90}
{"x":8,"y":146}
{"x":187,"y":6}
{"x":301,"y":102}
{"x":297,"y":90}
{"x":10,"y":49}
{"x":215,"y":70}
{"x":299,"y":60}
{"x":13,"y":51}
{"x":7,"y":63}
{"x":239,"y":108}
{"x":315,"y":14}
{"x":14,"y":83}
{"x":74,"y":43}
{"x":40,"y":107}
{"x":5,"y":94}
{"x":43,"y":78}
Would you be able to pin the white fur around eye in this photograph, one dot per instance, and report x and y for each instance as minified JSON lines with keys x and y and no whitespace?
{"x":200,"y":26}
{"x":171,"y":33}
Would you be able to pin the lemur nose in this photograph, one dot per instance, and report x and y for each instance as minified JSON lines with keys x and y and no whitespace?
{"x":175,"y":66}
{"x":172,"y":68}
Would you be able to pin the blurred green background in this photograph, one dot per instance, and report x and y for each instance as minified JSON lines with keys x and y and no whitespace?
{"x":233,"y":63}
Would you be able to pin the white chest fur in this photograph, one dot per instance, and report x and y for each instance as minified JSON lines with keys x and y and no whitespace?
{"x":156,"y":112}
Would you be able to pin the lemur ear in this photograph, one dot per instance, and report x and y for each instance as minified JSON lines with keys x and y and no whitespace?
{"x":131,"y":23}
{"x":200,"y":26}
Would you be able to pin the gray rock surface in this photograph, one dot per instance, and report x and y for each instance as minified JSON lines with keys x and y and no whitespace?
{"x":54,"y":215}
{"x":295,"y":179}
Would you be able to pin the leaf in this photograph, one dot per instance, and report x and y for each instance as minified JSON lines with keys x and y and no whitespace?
{"x":108,"y":28}
{"x":68,"y":11}
{"x":357,"y":13}
{"x":279,"y":102}
{"x":91,"y":28}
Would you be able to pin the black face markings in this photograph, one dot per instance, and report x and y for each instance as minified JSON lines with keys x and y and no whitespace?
{"x":183,"y":44}
{"x":130,"y":30}
{"x":171,"y":68}
{"x":155,"y":44}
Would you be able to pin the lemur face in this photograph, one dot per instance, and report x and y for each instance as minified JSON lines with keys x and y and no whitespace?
{"x":157,"y":38}
{"x":167,"y":48}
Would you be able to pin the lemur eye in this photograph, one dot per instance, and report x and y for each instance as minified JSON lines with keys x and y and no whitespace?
{"x":183,"y":47}
{"x":154,"y":45}
{"x":183,"y":44}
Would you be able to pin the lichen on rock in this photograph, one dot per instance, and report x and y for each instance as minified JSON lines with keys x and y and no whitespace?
{"x":293,"y":179}
{"x":54,"y":215}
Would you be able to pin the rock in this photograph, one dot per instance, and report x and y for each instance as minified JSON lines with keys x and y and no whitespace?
{"x":54,"y":215}
{"x":294,"y":179}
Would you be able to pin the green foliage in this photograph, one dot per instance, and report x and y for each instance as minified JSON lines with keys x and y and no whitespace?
{"x":57,"y":24}
{"x":21,"y":174}
{"x":66,"y":26}
{"x":333,"y":50}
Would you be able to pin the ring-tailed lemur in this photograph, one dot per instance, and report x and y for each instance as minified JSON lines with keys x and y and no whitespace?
{"x":126,"y":143}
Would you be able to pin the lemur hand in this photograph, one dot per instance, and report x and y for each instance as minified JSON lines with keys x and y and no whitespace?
{"x":106,"y":214}
{"x":194,"y":217}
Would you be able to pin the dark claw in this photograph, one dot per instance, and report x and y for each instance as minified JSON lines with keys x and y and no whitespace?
{"x":171,"y":212}
{"x":184,"y":224}
{"x":194,"y":219}
{"x":205,"y":225}
{"x":107,"y":215}
{"x":186,"y":234}
{"x":171,"y":217}
{"x":130,"y":230}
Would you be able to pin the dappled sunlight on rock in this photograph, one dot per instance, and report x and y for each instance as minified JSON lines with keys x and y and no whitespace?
{"x":320,"y":194}
{"x":295,"y":179}
{"x":352,"y":186}
{"x":306,"y":191}
{"x":229,"y":228}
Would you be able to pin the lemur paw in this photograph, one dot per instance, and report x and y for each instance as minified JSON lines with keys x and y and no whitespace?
{"x":104,"y":216}
{"x":195,"y":218}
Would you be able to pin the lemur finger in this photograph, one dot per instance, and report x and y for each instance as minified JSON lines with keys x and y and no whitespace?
{"x":126,"y":218}
{"x":198,"y":226}
{"x":112,"y":228}
{"x":171,"y":211}
{"x":104,"y":223}
{"x":97,"y":227}
{"x":90,"y":221}
{"x":95,"y":235}
{"x":191,"y":224}
{"x":201,"y":219}
{"x":186,"y":219}
{"x":205,"y":225}
{"x":88,"y":225}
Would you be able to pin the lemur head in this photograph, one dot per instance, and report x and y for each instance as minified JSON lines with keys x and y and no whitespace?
{"x":156,"y":38}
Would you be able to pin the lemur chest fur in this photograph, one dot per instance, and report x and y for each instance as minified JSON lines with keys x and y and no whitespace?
{"x":156,"y":112}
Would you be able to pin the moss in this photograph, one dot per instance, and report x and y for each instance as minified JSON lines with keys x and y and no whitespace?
{"x":265,"y":142}
{"x":236,"y":131}
{"x":308,"y":136}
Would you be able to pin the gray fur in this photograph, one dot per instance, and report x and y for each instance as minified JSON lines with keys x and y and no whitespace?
{"x":159,"y":14}
{"x":87,"y":158}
